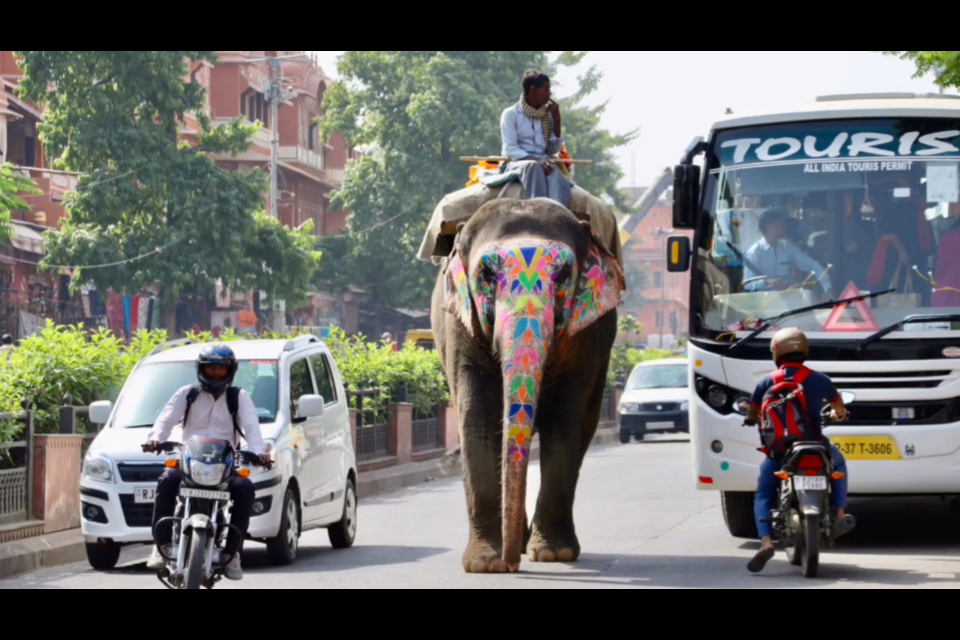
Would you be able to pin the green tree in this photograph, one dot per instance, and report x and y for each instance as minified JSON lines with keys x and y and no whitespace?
{"x":948,"y":63}
{"x":418,"y":112}
{"x":11,"y":186}
{"x":116,"y":117}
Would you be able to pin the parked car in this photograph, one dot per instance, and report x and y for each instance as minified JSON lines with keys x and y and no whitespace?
{"x":656,"y":399}
{"x":312,"y":485}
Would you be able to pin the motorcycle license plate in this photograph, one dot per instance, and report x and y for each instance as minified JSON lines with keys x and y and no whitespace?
{"x":205,"y":495}
{"x":810,"y":483}
{"x":144,"y":495}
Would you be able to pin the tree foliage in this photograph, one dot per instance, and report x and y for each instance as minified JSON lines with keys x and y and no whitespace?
{"x":418,"y":112}
{"x":116,"y":116}
{"x":12,"y":186}
{"x":948,"y":63}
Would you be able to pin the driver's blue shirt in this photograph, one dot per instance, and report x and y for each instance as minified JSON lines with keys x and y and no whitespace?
{"x":818,"y":388}
{"x":775,"y":262}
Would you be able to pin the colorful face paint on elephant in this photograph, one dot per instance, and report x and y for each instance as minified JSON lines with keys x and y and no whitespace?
{"x":518,"y":285}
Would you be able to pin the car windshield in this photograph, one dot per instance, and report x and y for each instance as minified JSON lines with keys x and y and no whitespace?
{"x":151,"y":387}
{"x":668,"y":376}
{"x":802,"y":213}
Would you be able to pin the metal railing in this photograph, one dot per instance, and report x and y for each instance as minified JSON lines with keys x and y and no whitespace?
{"x":373,"y":424}
{"x":426,"y":431}
{"x":16,"y":471}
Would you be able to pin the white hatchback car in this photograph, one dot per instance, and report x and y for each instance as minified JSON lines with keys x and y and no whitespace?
{"x":312,"y":485}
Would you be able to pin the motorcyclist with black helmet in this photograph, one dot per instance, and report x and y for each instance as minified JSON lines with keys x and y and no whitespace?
{"x":209,"y":416}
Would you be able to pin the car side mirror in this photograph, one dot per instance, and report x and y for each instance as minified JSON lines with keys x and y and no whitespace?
{"x":679,"y":253}
{"x":100,"y":412}
{"x":309,"y":406}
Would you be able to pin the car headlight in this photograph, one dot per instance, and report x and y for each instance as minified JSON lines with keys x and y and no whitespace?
{"x":684,"y":406}
{"x":98,"y":468}
{"x":629,"y":407}
{"x":209,"y":475}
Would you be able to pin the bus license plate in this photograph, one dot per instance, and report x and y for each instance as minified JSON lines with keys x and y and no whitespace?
{"x":810,"y":483}
{"x":205,"y":495}
{"x":873,"y":448}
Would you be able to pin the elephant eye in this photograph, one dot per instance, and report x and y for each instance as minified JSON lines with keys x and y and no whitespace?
{"x":564,"y":274}
{"x":487,"y":275}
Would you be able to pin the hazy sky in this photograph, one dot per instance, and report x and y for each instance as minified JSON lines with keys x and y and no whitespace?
{"x":647,"y":89}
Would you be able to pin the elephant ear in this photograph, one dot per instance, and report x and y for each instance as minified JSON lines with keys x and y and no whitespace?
{"x":598,"y":287}
{"x":459,"y":301}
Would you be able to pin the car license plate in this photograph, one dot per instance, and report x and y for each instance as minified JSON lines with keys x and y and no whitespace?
{"x":660,"y":425}
{"x":144,"y":495}
{"x":205,"y":495}
{"x":904,"y":413}
{"x":867,"y":447}
{"x":810,"y":483}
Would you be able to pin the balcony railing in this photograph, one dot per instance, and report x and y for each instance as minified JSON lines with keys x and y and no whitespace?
{"x":302,"y":156}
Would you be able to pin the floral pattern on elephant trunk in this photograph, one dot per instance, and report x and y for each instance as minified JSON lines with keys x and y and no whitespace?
{"x":518,"y":287}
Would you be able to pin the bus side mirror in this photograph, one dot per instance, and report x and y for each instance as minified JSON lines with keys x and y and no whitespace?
{"x":679,"y":254}
{"x":686,"y":193}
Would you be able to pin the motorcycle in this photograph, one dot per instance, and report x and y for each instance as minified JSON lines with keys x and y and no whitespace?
{"x":806,"y":520}
{"x":200,"y":527}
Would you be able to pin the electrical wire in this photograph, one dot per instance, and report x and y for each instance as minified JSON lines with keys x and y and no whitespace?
{"x":100,"y":266}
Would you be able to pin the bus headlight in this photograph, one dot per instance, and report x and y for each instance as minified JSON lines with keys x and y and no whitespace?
{"x":742,"y":404}
{"x":717,"y":397}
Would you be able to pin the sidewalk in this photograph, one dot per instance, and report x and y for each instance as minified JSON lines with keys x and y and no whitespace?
{"x":68,"y":547}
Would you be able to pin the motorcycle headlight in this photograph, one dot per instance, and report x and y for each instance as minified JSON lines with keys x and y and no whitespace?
{"x":98,"y":468}
{"x":209,"y":475}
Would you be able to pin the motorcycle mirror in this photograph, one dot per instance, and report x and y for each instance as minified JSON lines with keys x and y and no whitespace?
{"x":848,"y":397}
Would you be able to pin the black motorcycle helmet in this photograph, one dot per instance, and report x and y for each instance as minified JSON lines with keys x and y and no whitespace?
{"x":216,"y":355}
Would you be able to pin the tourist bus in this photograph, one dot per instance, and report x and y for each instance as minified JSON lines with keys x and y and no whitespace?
{"x":866,"y":190}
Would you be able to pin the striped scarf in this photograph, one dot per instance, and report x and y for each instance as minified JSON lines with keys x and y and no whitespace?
{"x":541,"y":114}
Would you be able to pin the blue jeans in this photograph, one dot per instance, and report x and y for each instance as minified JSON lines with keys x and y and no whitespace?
{"x":769,"y":484}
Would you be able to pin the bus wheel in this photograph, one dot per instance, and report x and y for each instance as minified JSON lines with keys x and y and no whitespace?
{"x":738,"y":514}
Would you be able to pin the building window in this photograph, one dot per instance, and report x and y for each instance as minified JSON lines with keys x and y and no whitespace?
{"x":658,"y":280}
{"x":312,"y":137}
{"x":674,"y":322}
{"x":254,"y":107}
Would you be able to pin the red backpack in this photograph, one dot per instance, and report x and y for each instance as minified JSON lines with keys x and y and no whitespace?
{"x":785,"y":411}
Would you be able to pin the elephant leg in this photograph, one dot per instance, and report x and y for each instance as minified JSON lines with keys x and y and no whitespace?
{"x":480,"y":410}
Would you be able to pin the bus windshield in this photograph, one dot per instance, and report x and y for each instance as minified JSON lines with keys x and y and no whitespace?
{"x":803,"y":213}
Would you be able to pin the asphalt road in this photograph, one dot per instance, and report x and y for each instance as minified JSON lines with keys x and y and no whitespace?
{"x":641,"y":524}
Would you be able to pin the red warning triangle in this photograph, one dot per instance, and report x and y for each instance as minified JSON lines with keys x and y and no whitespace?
{"x":837,"y":323}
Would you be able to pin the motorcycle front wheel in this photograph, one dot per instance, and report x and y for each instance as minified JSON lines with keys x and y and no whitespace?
{"x":195,"y":559}
{"x":810,"y":557}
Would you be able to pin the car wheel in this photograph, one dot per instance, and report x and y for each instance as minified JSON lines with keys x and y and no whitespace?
{"x":343,"y":534}
{"x":103,"y":557}
{"x":625,"y":437}
{"x":283,"y":549}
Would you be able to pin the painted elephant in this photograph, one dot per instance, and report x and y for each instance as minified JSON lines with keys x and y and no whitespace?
{"x":524,"y":318}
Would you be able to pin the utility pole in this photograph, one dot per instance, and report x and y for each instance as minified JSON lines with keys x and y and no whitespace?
{"x":937,"y":73}
{"x":275,"y":93}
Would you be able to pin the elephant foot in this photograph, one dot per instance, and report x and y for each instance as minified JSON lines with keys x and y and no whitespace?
{"x":553,"y":548}
{"x":483,"y":558}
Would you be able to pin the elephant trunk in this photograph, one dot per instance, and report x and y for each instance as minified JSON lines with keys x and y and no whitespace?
{"x":524,"y":355}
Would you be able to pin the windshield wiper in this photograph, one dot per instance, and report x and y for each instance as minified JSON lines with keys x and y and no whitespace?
{"x":796,"y":312}
{"x":879,"y":335}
